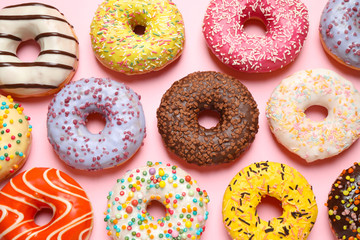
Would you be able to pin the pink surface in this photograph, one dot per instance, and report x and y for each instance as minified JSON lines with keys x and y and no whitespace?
{"x":151,"y":86}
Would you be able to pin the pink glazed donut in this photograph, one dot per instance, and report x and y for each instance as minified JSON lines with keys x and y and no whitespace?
{"x":286,"y":23}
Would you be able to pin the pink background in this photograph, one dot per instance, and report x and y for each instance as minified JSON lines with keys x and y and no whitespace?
{"x":196,"y":57}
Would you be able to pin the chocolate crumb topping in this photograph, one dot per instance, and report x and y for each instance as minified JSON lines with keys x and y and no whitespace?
{"x":178,"y":118}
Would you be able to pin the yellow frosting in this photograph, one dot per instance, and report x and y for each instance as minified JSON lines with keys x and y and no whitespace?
{"x":277,"y":180}
{"x":15,"y":137}
{"x":118,"y":47}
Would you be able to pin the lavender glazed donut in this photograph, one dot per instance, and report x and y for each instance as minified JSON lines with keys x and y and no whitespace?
{"x":340,"y":31}
{"x":286,"y":24}
{"x":116,"y":143}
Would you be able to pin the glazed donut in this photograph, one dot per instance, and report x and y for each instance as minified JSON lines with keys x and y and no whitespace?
{"x":57,"y":60}
{"x":38,"y":188}
{"x":15,"y":137}
{"x":313,"y":140}
{"x":178,"y":118}
{"x":186,"y":204}
{"x":277,"y":180}
{"x":286,"y":24}
{"x":119,"y":140}
{"x":339,"y":31}
{"x":343,"y":204}
{"x":118,"y":47}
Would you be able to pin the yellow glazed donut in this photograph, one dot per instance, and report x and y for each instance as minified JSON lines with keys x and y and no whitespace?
{"x":15,"y":137}
{"x":119,"y":48}
{"x":280,"y":181}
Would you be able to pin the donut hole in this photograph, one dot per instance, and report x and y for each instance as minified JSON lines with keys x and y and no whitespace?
{"x":43,"y":216}
{"x":316,"y":113}
{"x":156,"y":209}
{"x":269,"y":208}
{"x":28,"y":51}
{"x":255,"y":26}
{"x":208,"y":118}
{"x":95,"y":122}
{"x":139,"y":30}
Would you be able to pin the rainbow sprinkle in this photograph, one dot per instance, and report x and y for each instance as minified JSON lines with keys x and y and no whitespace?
{"x":119,"y":48}
{"x":15,"y":136}
{"x":186,"y":205}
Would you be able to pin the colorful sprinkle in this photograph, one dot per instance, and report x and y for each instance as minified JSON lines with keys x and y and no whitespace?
{"x":119,"y":48}
{"x":127,"y":216}
{"x":13,"y":147}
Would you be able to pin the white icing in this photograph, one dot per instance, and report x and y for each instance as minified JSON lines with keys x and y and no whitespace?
{"x":309,"y":139}
{"x":29,"y":29}
{"x":175,"y":191}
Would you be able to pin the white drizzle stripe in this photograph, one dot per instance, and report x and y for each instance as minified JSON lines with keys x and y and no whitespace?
{"x":63,"y":190}
{"x":15,"y":225}
{"x":3,"y":214}
{"x":67,"y":203}
{"x":84,"y":232}
{"x":24,"y":232}
{"x":29,"y":195}
{"x":19,"y":200}
{"x":66,"y":183}
{"x":70,"y":225}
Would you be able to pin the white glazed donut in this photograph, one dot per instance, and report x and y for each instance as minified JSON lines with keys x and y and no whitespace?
{"x":185,"y":203}
{"x":313,"y":140}
{"x":57,"y":60}
{"x":116,"y":143}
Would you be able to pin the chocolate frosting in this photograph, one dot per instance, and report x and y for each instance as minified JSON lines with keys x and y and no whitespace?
{"x":344,"y":204}
{"x":31,"y":4}
{"x":178,"y":118}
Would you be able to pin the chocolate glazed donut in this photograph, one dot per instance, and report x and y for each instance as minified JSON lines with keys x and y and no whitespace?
{"x":343,"y":204}
{"x":178,"y":118}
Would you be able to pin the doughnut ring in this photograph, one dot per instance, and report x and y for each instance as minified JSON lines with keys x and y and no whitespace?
{"x":309,"y":139}
{"x":178,"y":118}
{"x":121,"y":137}
{"x":185,"y":203}
{"x":286,"y":22}
{"x":29,"y":192}
{"x":116,"y":44}
{"x":245,"y":191}
{"x":58,"y":57}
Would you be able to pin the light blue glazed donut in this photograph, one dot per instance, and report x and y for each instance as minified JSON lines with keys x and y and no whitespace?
{"x":116,"y":143}
{"x":340,"y":31}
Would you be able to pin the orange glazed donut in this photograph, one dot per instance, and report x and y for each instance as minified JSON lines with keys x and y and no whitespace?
{"x":38,"y":188}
